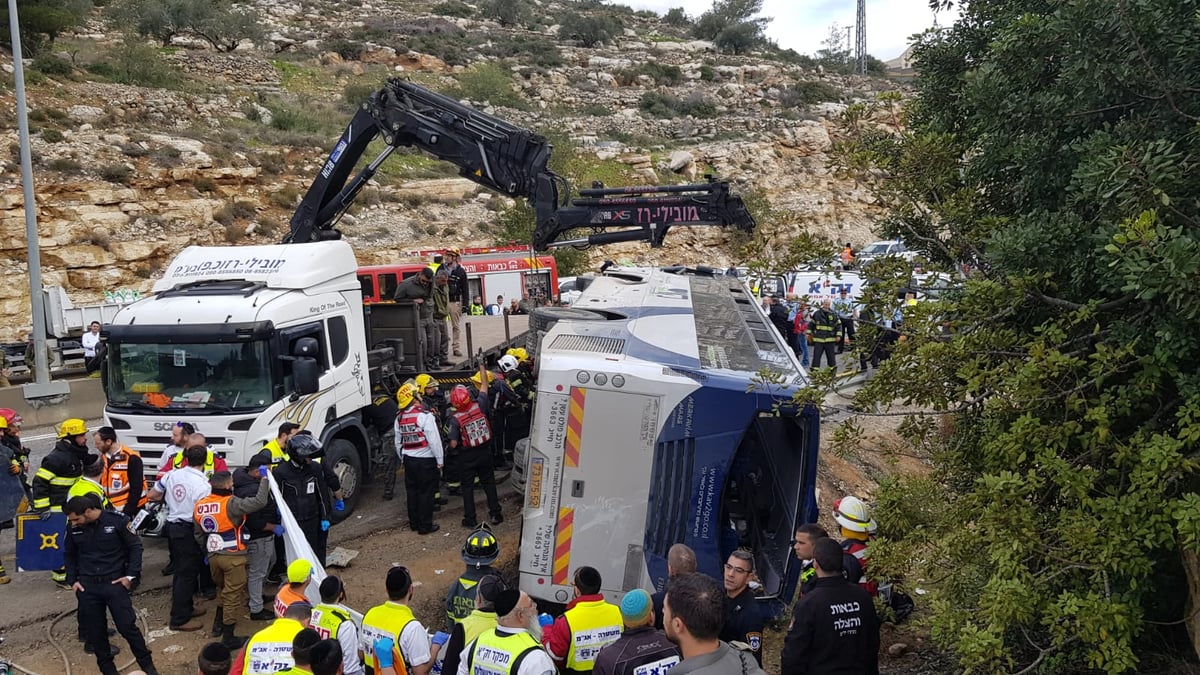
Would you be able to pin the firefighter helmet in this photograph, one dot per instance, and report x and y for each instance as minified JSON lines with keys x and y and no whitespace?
{"x":12,"y":417}
{"x":304,"y":445}
{"x":425,"y":381}
{"x":507,"y":363}
{"x":3,"y":423}
{"x":481,"y":547}
{"x":853,"y":514}
{"x":452,"y":251}
{"x":460,"y":398}
{"x":72,"y":427}
{"x":520,"y":353}
{"x":479,"y":381}
{"x":404,"y":397}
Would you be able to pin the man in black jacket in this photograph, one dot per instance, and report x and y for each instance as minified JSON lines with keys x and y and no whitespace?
{"x":311,"y":490}
{"x":641,"y":648}
{"x":59,"y":471}
{"x":460,"y":292}
{"x":834,"y":626}
{"x":419,"y":289}
{"x":261,"y":528}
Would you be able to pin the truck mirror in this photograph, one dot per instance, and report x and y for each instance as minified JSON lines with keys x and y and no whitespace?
{"x":306,"y":347}
{"x":305,"y":373}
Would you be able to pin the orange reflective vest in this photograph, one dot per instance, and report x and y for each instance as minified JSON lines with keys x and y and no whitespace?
{"x":473,"y":426}
{"x":412,"y":437}
{"x":285,"y":596}
{"x":222,"y":534}
{"x":117,"y":481}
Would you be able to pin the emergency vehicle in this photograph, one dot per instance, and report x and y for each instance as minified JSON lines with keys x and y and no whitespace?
{"x":509,"y":271}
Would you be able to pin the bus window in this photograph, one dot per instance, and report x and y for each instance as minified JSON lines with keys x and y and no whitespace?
{"x":367,"y":282}
{"x":387,"y":286}
{"x":476,"y":286}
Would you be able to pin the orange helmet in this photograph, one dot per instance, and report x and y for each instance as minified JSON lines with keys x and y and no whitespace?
{"x":460,"y":398}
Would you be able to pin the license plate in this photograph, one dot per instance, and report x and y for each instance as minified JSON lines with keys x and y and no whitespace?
{"x":534,"y":490}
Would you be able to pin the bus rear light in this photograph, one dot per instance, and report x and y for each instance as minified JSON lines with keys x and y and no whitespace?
{"x":582,"y":377}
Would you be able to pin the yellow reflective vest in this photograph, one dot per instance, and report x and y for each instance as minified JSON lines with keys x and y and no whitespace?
{"x":384,"y":621}
{"x":87,"y":486}
{"x":477,"y":623}
{"x":593,"y":625}
{"x":327,"y":620}
{"x":500,"y":653}
{"x":270,"y":649}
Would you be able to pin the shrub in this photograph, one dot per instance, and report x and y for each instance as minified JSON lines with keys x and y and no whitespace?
{"x":452,"y":47}
{"x":52,"y":65}
{"x":453,"y":8}
{"x":491,"y":83}
{"x":356,"y":92}
{"x":527,"y":50}
{"x":52,"y":136}
{"x":134,"y":150}
{"x":286,"y":117}
{"x":116,"y":173}
{"x":136,"y":63}
{"x":807,"y":92}
{"x":244,"y":210}
{"x":676,"y":16}
{"x":663,"y":73}
{"x":349,"y":50}
{"x":707,"y":73}
{"x":667,"y":106}
{"x":285,"y":197}
{"x":506,"y":12}
{"x":597,"y":110}
{"x":204,"y":184}
{"x":589,"y":30}
{"x":233,"y":231}
{"x":65,"y":165}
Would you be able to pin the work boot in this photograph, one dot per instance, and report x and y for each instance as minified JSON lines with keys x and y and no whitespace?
{"x":188,"y":627}
{"x":113,"y":649}
{"x":218,"y":621}
{"x":3,"y":576}
{"x":263,"y":614}
{"x":169,"y":569}
{"x":229,"y":640}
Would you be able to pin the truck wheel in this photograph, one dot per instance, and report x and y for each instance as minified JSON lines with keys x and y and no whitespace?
{"x":343,"y":458}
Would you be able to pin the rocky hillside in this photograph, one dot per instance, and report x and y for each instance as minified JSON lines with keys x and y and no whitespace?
{"x":221,"y":147}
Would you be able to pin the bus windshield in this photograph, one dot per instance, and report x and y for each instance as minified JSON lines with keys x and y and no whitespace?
{"x":197,"y":377}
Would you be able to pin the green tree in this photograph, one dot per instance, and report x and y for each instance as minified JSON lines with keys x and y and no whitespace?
{"x":221,"y":23}
{"x":41,"y":21}
{"x":1051,"y":147}
{"x":589,"y":30}
{"x":737,"y":20}
{"x":506,"y":12}
{"x":676,"y":16}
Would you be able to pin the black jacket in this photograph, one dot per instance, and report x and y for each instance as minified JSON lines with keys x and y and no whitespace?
{"x":778,"y":315}
{"x":460,"y":290}
{"x":63,"y":464}
{"x":105,"y":548}
{"x":307,"y":489}
{"x":636,"y":647}
{"x":744,"y":622}
{"x":244,"y":485}
{"x":834,"y":632}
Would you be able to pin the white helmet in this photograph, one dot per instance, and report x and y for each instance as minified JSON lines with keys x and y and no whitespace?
{"x":853,"y":514}
{"x":508,"y":363}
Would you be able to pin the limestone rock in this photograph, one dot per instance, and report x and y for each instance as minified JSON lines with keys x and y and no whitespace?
{"x":437,"y":189}
{"x":680,"y":160}
{"x":77,"y":256}
{"x":85,"y":113}
{"x":104,"y":278}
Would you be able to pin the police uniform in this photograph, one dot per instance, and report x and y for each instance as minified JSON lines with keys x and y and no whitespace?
{"x":471,"y":433}
{"x":834,"y":625}
{"x":270,"y":649}
{"x":333,"y":622}
{"x":96,"y":555}
{"x":505,"y":651}
{"x":307,"y":489}
{"x":744,"y":622}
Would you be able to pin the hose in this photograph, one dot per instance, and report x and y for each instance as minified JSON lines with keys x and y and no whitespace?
{"x":62,"y":653}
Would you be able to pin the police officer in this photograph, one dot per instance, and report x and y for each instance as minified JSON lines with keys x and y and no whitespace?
{"x":103,"y":563}
{"x":419,"y":445}
{"x":834,"y":628}
{"x":311,"y":490}
{"x":479,"y":551}
{"x":124,"y":473}
{"x":469,"y":436}
{"x":180,"y":490}
{"x":331,"y":619}
{"x":59,"y":471}
{"x":744,"y":621}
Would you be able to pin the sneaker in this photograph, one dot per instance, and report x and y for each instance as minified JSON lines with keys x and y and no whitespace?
{"x":469,"y":524}
{"x":458,"y":352}
{"x":442,"y":501}
{"x":263,"y":614}
{"x":188,"y":627}
{"x":275,"y":578}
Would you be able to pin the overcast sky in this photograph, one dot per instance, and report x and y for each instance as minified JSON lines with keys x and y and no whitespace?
{"x":804,"y":24}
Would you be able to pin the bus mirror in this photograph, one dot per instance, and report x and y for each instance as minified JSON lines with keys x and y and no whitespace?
{"x":305,"y":373}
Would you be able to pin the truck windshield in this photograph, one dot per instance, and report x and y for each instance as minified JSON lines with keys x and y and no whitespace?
{"x":217,"y":376}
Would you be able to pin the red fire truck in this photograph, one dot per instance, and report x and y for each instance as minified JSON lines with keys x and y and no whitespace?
{"x":496,"y":271}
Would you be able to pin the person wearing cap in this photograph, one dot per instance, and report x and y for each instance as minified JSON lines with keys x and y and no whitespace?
{"x":834,"y":628}
{"x":299,"y":576}
{"x":270,"y":649}
{"x":394,"y":620}
{"x":331,"y":618}
{"x":854,"y":517}
{"x":419,"y":290}
{"x":261,"y":528}
{"x":641,"y":648}
{"x":180,"y":490}
{"x":90,"y":483}
{"x":589,"y":624}
{"x":482,"y":618}
{"x":214,"y":659}
{"x":693,"y":613}
{"x":824,"y":326}
{"x":459,"y":289}
{"x":511,"y":647}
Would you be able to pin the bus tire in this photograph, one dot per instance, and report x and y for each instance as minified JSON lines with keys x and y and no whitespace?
{"x":343,"y":458}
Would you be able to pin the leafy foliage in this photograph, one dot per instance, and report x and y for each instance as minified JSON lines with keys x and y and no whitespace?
{"x":221,"y":23}
{"x":1052,"y":148}
{"x":489,"y":83}
{"x":667,"y":106}
{"x":733,"y":25}
{"x":41,"y":21}
{"x":506,"y":12}
{"x":676,"y":16}
{"x":135,"y":62}
{"x":589,"y":30}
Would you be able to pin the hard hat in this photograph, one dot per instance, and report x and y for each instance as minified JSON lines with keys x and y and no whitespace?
{"x":425,"y":381}
{"x":404,"y":397}
{"x":508,"y":363}
{"x":478,"y":382}
{"x":481,"y":547}
{"x":451,"y":251}
{"x":3,"y":423}
{"x":72,"y":427}
{"x":303,"y":445}
{"x":853,"y":514}
{"x":519,"y":352}
{"x":11,"y":416}
{"x":460,"y":398}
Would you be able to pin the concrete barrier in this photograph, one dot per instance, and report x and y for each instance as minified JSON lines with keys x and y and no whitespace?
{"x":86,"y":401}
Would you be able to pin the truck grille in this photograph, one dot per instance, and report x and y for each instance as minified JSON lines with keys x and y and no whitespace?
{"x":589,"y":343}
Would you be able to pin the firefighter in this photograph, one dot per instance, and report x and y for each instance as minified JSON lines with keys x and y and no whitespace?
{"x":90,"y":483}
{"x":419,"y":446}
{"x":219,"y":519}
{"x":311,"y":490}
{"x":10,"y":437}
{"x":59,"y":471}
{"x":509,"y":417}
{"x":428,"y":392}
{"x":520,"y":378}
{"x":124,"y":473}
{"x":857,"y":524}
{"x":479,"y":551}
{"x":470,"y":433}
{"x":824,"y":325}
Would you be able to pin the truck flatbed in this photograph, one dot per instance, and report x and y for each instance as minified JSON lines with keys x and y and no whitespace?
{"x":488,"y":333}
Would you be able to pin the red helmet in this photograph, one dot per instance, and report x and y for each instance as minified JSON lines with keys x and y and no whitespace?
{"x":11,"y":416}
{"x":460,"y":398}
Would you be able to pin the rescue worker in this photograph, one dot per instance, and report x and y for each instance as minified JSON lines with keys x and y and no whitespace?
{"x":857,"y":525}
{"x":518,"y":378}
{"x":394,"y":619}
{"x":276,"y":445}
{"x":428,"y":392}
{"x":681,"y":559}
{"x":311,"y":490}
{"x":331,"y":619}
{"x":589,"y":624}
{"x":823,"y":324}
{"x":214,"y":659}
{"x":180,"y":489}
{"x":511,"y":647}
{"x":479,"y":551}
{"x":802,"y":546}
{"x":59,"y":471}
{"x":459,"y":290}
{"x":124,"y":474}
{"x":469,"y":435}
{"x":476,"y":307}
{"x":12,"y":492}
{"x":103,"y":562}
{"x":10,"y":437}
{"x":270,"y":649}
{"x":482,"y":618}
{"x":212,"y":461}
{"x":744,"y":621}
{"x":834,"y":628}
{"x":89,"y":483}
{"x":419,"y":289}
{"x":847,"y":314}
{"x":641,"y":648}
{"x":507,"y":416}
{"x":419,"y":445}
{"x":525,"y":363}
{"x":299,"y":576}
{"x":220,"y":520}
{"x":302,"y":646}
{"x":260,"y":528}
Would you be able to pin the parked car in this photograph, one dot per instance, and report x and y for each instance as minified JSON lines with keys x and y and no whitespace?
{"x":879,"y":249}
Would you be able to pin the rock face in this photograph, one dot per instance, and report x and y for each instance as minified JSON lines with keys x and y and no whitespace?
{"x":137,"y":174}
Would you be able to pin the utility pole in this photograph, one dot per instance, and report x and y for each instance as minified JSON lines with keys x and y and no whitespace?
{"x":849,"y":41}
{"x":860,"y":45}
{"x":41,"y":387}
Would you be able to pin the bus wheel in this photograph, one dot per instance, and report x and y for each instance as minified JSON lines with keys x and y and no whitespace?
{"x":343,"y":458}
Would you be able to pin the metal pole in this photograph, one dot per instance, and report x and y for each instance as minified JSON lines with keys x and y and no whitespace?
{"x":470,"y":342}
{"x":41,"y":369}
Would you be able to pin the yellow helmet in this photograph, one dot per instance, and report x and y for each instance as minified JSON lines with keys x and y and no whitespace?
{"x":451,"y":251}
{"x":72,"y":427}
{"x":518,"y":352}
{"x":3,"y":423}
{"x":478,"y":382}
{"x":404,"y":397}
{"x":425,"y":381}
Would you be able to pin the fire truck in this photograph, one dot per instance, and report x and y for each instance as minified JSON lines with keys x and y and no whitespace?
{"x":508,"y":271}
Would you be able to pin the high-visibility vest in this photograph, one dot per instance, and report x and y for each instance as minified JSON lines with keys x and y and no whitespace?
{"x":500,"y":654}
{"x":210,"y":462}
{"x":477,"y":623}
{"x":278,"y":455}
{"x":327,"y":620}
{"x":412,"y":437}
{"x":473,"y":426}
{"x":116,"y":478}
{"x":385,"y":621}
{"x":593,"y":625}
{"x":476,"y":310}
{"x":270,"y":649}
{"x":858,"y":549}
{"x":285,"y":597}
{"x":223,"y":535}
{"x":87,"y":486}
